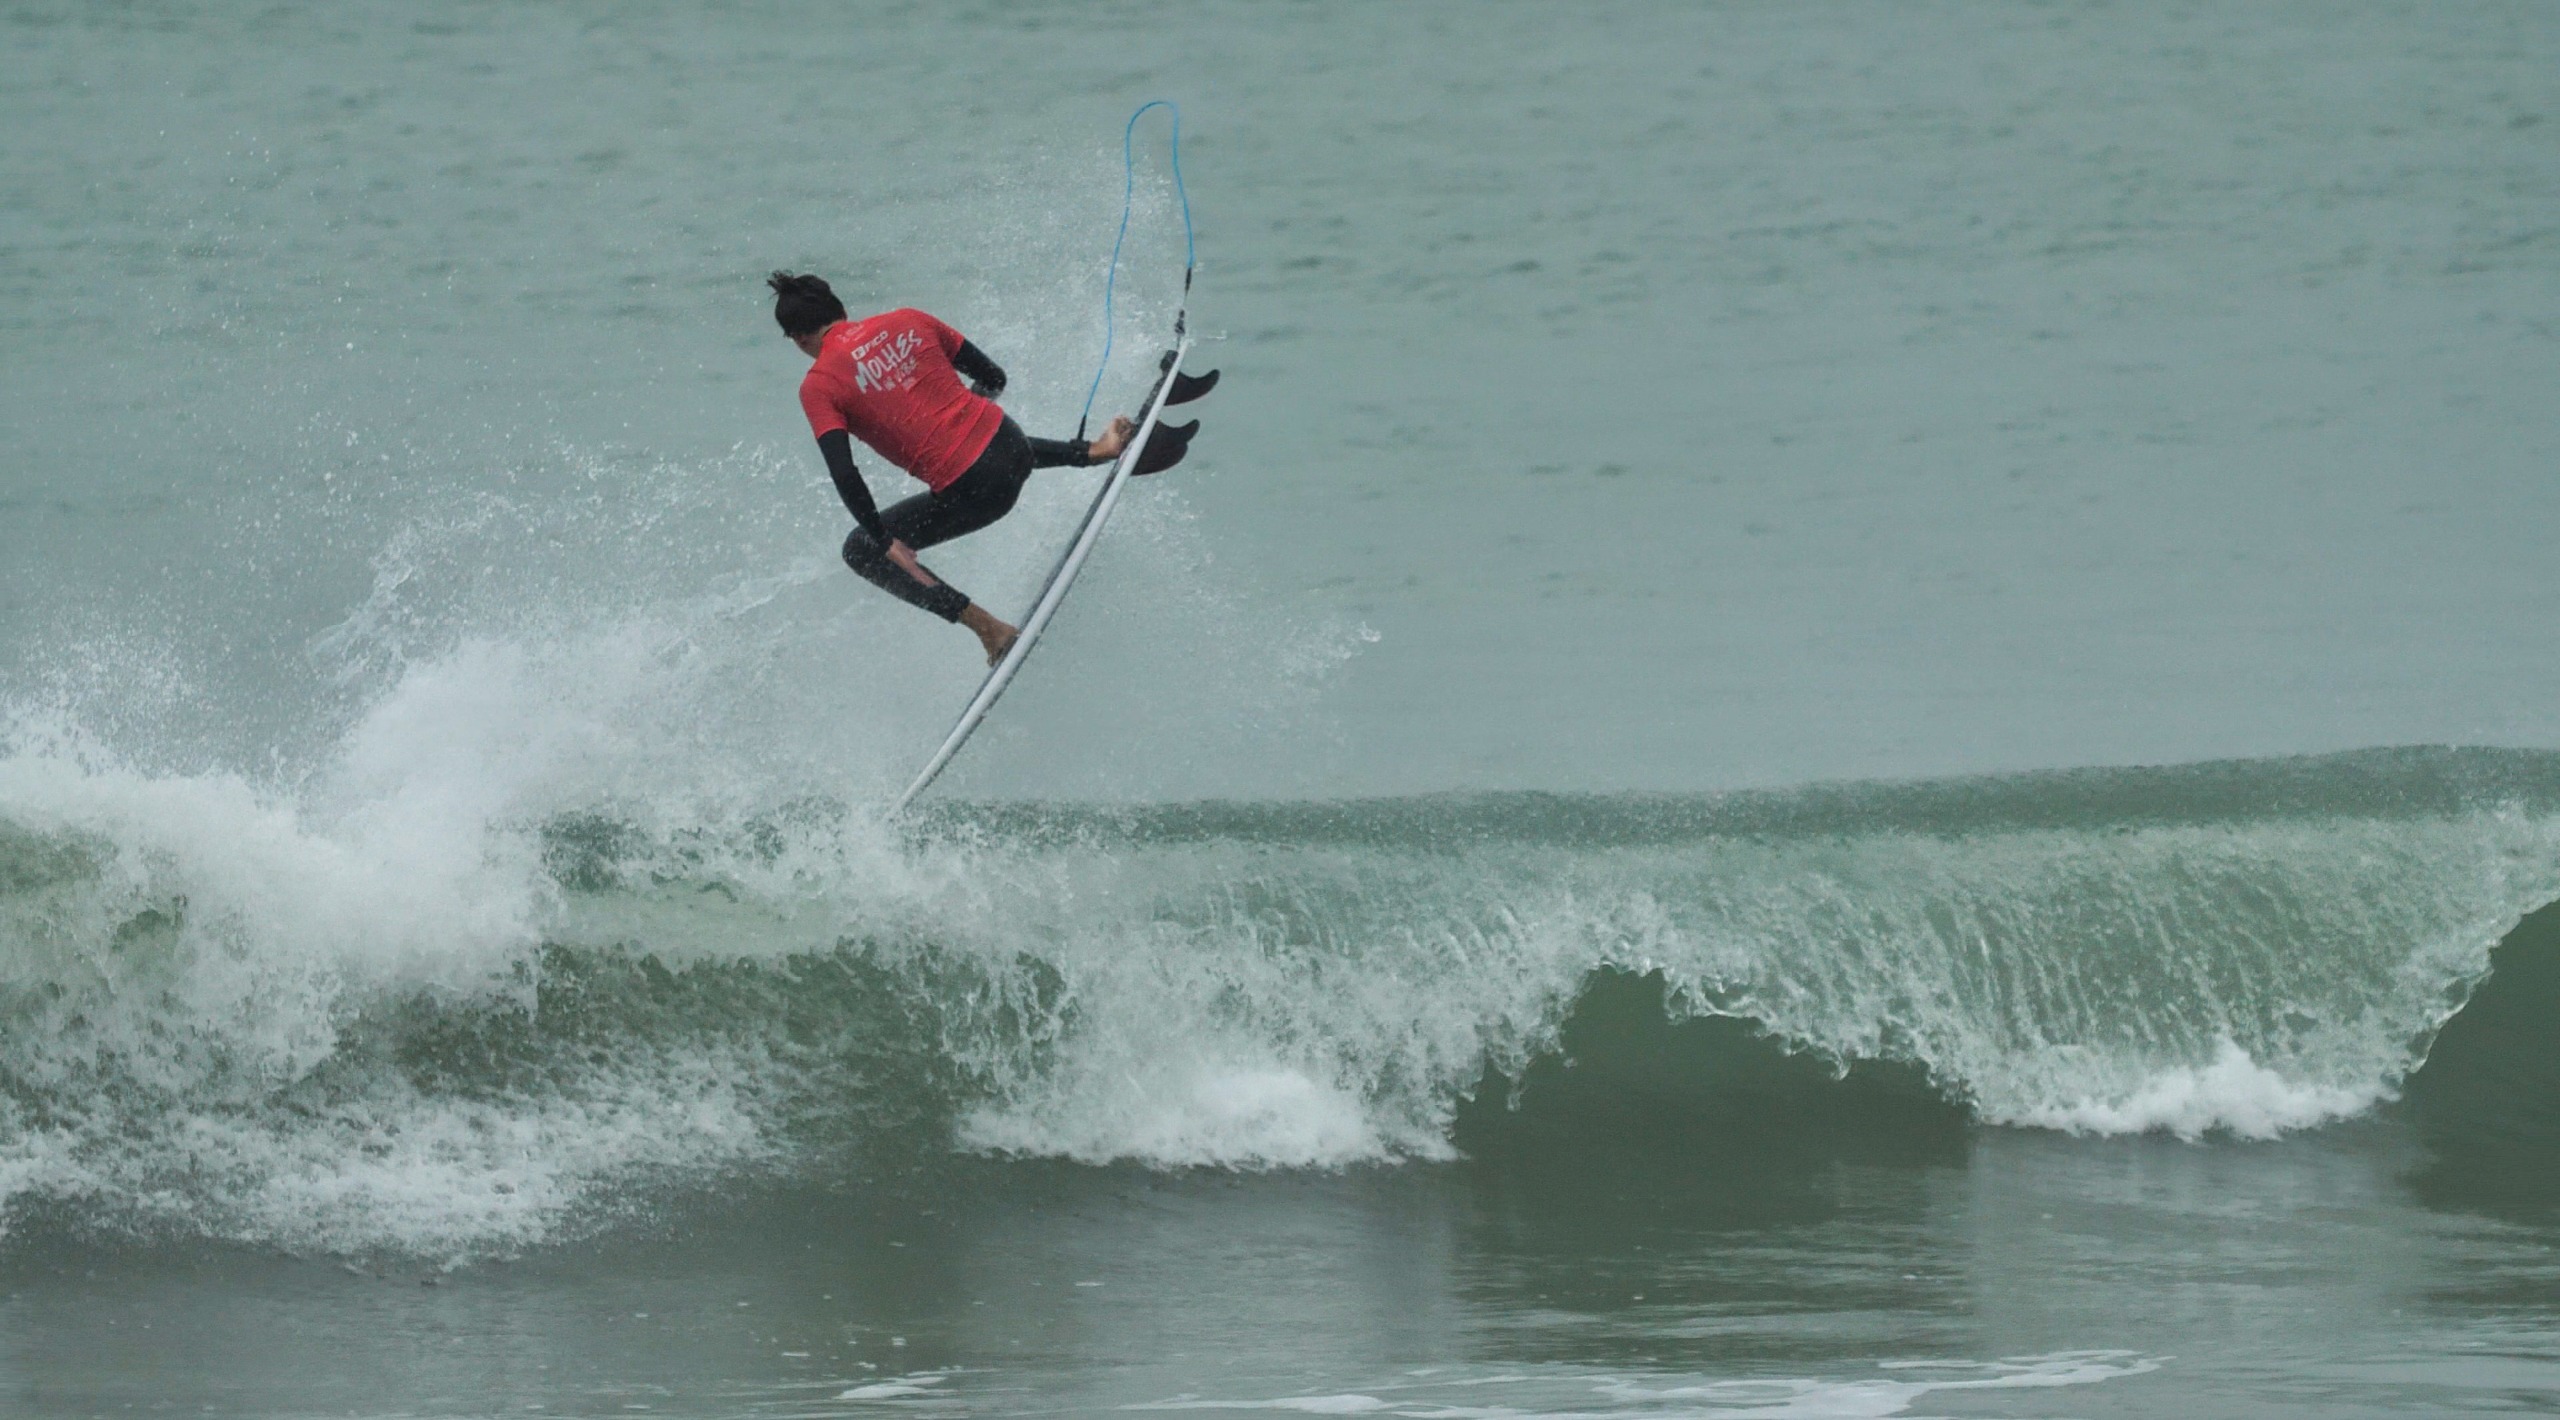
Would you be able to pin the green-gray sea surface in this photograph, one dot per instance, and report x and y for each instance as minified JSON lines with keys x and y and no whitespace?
{"x":1848,"y":712}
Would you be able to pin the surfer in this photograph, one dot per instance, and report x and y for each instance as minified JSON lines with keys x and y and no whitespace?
{"x":895,"y":380}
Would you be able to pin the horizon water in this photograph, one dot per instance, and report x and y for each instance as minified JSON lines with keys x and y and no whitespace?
{"x":1847,"y":712}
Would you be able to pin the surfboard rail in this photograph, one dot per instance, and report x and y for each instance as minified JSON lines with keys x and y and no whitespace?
{"x":1053,"y":591}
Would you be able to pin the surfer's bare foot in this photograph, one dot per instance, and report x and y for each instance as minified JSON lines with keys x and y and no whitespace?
{"x":994,"y":635}
{"x":1113,"y":440}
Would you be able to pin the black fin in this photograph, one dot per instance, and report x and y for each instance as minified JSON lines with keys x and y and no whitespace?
{"x":1166,"y":445}
{"x":1187,"y":388}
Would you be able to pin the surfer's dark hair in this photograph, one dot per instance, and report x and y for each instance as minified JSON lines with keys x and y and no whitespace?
{"x":803,"y":305}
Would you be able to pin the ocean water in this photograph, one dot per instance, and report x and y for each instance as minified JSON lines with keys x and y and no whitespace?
{"x":1848,"y":713}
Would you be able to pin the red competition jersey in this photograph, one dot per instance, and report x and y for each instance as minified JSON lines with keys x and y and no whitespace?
{"x":888,"y":379}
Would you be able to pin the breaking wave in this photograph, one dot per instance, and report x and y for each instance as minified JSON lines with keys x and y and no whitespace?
{"x":393,"y":1007}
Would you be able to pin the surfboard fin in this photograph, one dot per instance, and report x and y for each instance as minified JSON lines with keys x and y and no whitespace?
{"x":1187,"y":388}
{"x":1166,"y":445}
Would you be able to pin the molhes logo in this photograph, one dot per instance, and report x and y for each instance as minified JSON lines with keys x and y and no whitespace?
{"x":886,"y":361}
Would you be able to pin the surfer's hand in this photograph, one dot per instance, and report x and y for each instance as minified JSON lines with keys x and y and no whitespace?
{"x":905,"y":557}
{"x":1113,"y":440}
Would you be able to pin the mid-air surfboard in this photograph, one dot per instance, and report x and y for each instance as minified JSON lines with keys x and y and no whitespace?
{"x":1054,"y":591}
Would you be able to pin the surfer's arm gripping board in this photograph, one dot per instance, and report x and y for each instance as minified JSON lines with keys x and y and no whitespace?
{"x":986,"y":380}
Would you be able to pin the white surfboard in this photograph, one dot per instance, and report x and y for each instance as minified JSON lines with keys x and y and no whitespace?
{"x":1053,"y":591}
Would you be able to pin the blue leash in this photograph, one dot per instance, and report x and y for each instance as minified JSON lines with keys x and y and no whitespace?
{"x":1128,"y":198}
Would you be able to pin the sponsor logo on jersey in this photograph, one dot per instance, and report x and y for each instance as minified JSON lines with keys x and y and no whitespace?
{"x":886,"y":361}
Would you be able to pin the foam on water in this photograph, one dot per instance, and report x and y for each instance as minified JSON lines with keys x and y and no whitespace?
{"x":903,"y":1388}
{"x":1555,"y":1396}
{"x":188,"y":954}
{"x":1191,"y":1112}
{"x":2234,"y":1094}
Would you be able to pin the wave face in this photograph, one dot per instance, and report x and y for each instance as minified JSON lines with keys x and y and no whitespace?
{"x":228,"y":1013}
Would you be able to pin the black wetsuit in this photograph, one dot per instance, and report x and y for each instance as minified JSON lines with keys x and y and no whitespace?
{"x":985,"y":492}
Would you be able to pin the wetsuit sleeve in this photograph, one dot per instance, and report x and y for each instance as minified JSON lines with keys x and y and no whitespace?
{"x":986,"y":374}
{"x":837,"y":445}
{"x":1049,"y":453}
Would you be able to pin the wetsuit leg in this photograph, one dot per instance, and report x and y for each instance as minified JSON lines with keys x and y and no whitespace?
{"x":976,"y":498}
